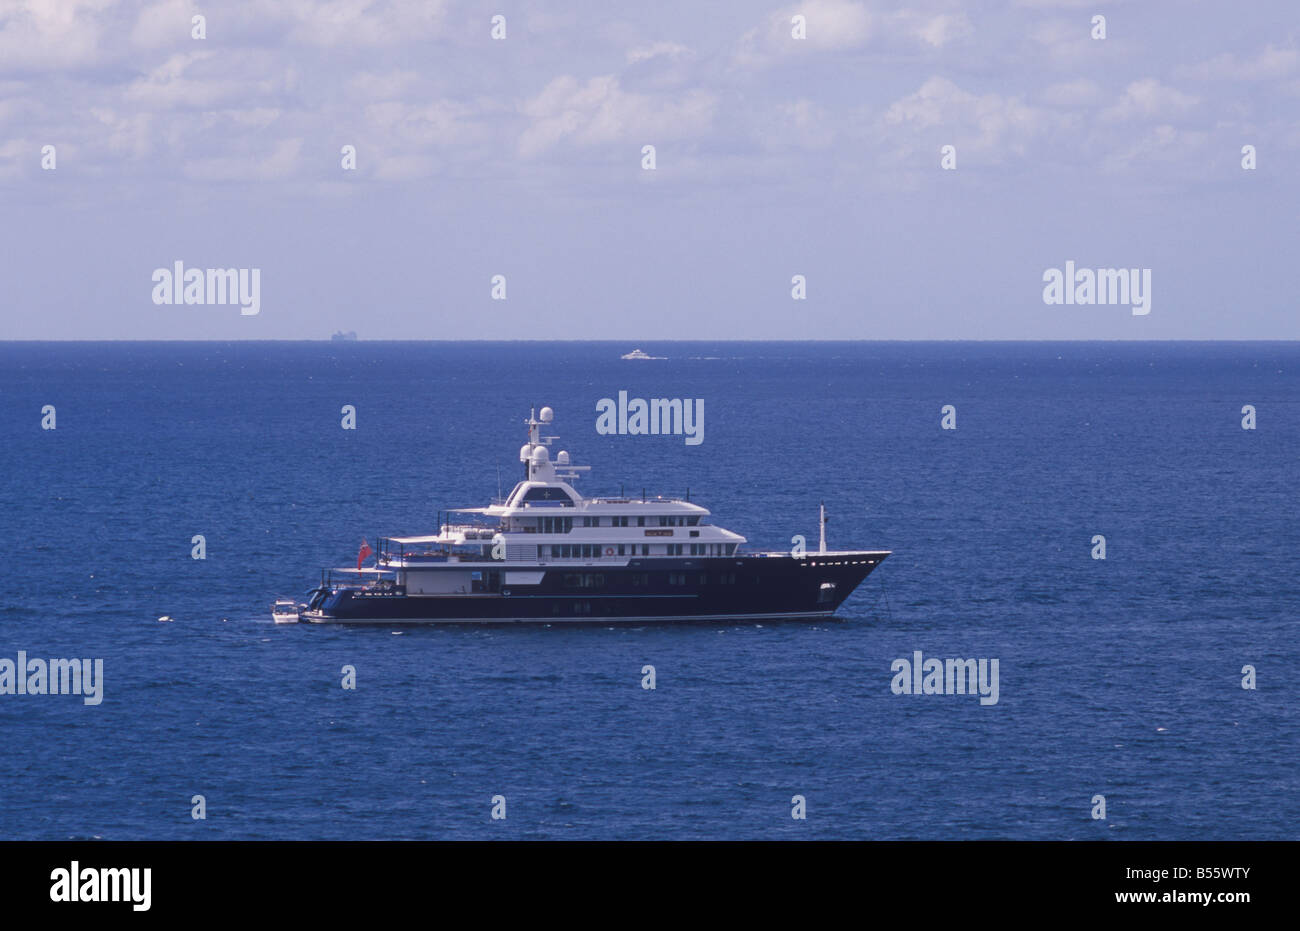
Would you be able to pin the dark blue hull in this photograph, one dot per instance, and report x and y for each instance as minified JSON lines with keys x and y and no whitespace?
{"x":725,"y":588}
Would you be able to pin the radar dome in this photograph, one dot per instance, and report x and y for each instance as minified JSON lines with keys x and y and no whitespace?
{"x":562,"y":458}
{"x":540,"y":454}
{"x":547,"y":415}
{"x":524,"y":452}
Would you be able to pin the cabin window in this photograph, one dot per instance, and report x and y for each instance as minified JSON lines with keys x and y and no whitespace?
{"x":692,"y":521}
{"x":640,"y":521}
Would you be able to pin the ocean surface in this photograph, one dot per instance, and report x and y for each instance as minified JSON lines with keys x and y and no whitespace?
{"x":1119,"y":677}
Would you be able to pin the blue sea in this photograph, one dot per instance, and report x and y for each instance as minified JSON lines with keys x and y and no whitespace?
{"x":1119,"y":677}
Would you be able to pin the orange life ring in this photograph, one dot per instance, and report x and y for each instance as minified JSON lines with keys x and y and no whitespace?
{"x":609,"y":551}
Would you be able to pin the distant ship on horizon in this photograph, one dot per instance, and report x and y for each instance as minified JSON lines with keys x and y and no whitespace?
{"x":638,"y":354}
{"x":340,"y":336}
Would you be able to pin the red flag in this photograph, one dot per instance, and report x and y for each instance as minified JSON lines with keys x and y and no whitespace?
{"x":365,"y":551}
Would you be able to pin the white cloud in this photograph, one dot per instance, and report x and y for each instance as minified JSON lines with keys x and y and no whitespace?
{"x":127,"y":134}
{"x":281,"y":162}
{"x":832,"y":24}
{"x":44,"y":35}
{"x":840,"y":25}
{"x":199,"y":79}
{"x":165,"y":24}
{"x":656,"y":50}
{"x":600,"y":112}
{"x":384,"y":85}
{"x":1067,"y":44}
{"x":935,"y":30}
{"x":1072,"y":93}
{"x":439,"y":122}
{"x":984,"y":122}
{"x":1060,"y":4}
{"x":360,"y":22}
{"x":1150,"y":99}
{"x":799,"y":124}
{"x":1162,"y":144}
{"x":1270,"y":64}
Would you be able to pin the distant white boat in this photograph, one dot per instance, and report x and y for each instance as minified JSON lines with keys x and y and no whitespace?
{"x":638,"y":354}
{"x":285,"y":611}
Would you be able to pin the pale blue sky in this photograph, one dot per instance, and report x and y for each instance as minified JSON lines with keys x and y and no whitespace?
{"x":775,"y":157}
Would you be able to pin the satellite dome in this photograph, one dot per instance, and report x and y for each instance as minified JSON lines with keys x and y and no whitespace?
{"x":524,"y":452}
{"x":562,"y":458}
{"x":547,"y":415}
{"x":540,"y":454}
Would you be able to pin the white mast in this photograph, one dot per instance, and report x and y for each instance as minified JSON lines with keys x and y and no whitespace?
{"x":822,"y":547}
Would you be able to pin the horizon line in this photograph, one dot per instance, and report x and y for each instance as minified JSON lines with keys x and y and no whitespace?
{"x":761,"y":339}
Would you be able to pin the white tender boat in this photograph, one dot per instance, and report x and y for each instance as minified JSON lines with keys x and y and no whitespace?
{"x":285,"y":611}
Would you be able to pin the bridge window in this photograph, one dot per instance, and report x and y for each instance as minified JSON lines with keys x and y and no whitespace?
{"x":551,"y":495}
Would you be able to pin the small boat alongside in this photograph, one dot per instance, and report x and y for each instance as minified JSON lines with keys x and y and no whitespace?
{"x":285,"y":611}
{"x":546,"y":553}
